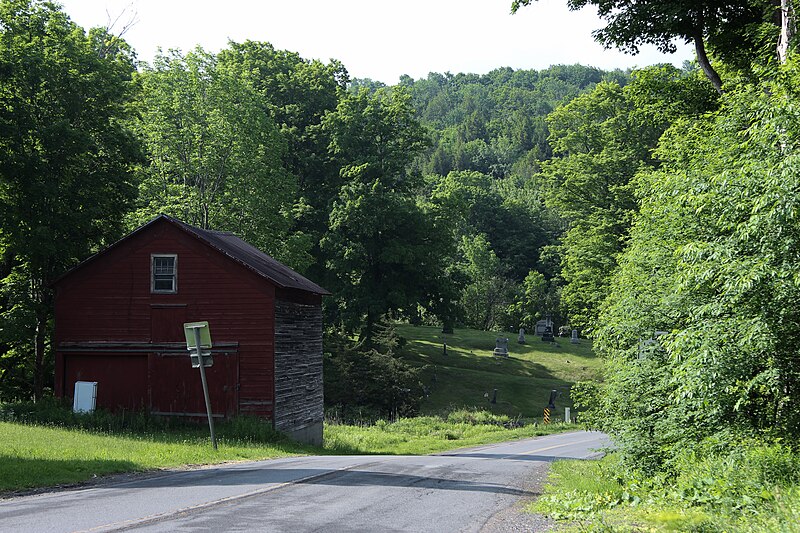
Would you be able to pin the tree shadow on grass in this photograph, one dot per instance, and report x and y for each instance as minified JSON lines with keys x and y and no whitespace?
{"x":516,"y":364}
{"x":20,"y":474}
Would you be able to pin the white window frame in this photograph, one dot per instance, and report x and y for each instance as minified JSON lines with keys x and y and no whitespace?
{"x":153,"y":289}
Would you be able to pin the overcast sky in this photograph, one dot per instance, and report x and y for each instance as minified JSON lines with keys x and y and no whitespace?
{"x":372,"y":38}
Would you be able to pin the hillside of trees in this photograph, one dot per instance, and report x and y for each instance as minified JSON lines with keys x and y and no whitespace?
{"x":424,"y":201}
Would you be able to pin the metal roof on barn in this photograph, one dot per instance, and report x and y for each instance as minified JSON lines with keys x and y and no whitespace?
{"x":234,"y":248}
{"x":253,"y":258}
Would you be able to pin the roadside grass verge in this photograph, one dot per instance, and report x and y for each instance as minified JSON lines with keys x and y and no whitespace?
{"x":48,"y":445}
{"x":599,"y":496}
{"x":470,"y":371}
{"x":431,"y":434}
{"x":36,"y":456}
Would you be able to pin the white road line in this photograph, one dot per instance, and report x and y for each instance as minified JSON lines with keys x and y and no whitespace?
{"x":533,"y":452}
{"x":166,"y":514}
{"x":457,"y":453}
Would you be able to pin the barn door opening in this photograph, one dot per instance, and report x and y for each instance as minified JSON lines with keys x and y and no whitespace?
{"x":174,"y":386}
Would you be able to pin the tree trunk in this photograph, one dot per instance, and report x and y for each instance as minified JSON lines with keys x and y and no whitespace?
{"x":39,"y":348}
{"x":368,"y":332}
{"x":43,"y":306}
{"x":705,"y":64}
{"x":787,"y":29}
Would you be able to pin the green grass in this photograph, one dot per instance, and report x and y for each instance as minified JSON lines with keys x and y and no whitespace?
{"x":469,"y":370}
{"x":423,"y":435}
{"x":579,"y":489}
{"x":36,"y":456}
{"x":592,"y":496}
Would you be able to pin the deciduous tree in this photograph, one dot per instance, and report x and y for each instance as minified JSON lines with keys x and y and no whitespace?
{"x":65,"y":164}
{"x":297,"y":93}
{"x":215,"y":153}
{"x":386,"y":250}
{"x":601,"y":140}
{"x":732,"y":27}
{"x":713,"y":261}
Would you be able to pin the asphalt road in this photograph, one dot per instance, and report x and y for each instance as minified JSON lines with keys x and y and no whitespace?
{"x":473,"y":489}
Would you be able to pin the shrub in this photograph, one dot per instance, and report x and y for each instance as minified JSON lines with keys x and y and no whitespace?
{"x":359,"y":379}
{"x":481,"y":417}
{"x":53,"y":412}
{"x":744,"y":475}
{"x":586,"y":399}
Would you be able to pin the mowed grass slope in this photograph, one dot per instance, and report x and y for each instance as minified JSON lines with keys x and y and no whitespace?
{"x":470,"y":370}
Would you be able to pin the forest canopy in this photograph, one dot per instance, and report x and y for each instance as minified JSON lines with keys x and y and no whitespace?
{"x":424,"y":201}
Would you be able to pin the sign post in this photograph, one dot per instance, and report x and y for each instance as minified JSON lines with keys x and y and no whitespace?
{"x":551,"y":406}
{"x":198,"y":336}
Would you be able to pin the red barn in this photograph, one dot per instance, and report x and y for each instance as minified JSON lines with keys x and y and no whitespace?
{"x":119,"y":319}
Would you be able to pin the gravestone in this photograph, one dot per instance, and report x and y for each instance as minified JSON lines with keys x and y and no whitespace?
{"x":648,"y":347}
{"x":541,"y":325}
{"x":521,"y":338}
{"x":501,"y":346}
{"x":547,"y":336}
{"x":574,"y":339}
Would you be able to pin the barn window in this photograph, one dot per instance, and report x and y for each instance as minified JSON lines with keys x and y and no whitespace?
{"x":165,"y":273}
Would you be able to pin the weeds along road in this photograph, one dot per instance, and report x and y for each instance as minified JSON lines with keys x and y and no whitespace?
{"x":473,"y":489}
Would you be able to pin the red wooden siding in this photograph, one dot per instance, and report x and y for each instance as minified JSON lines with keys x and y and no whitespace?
{"x":166,"y":322}
{"x":174,"y":390}
{"x":109,"y":299}
{"x":121,"y":378}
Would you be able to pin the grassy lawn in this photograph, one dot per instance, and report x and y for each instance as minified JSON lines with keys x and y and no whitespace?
{"x":36,"y":456}
{"x":423,"y":435}
{"x":523,"y":380}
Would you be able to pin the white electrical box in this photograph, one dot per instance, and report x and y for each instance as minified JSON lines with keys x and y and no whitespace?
{"x":85,"y":397}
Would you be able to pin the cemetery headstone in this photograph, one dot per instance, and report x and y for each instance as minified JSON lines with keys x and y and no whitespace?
{"x":521,"y":338}
{"x":648,"y":347}
{"x":501,"y":346}
{"x":574,"y":339}
{"x":547,"y":336}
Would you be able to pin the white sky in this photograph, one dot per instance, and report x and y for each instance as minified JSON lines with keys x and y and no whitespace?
{"x":376,"y":39}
